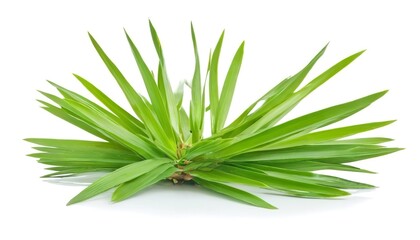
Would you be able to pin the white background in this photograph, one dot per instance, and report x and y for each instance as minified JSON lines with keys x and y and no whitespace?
{"x":47,"y":40}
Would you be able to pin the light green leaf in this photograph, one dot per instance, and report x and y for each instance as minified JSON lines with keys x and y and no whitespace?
{"x":134,"y":142}
{"x":117,"y":177}
{"x":312,"y":152}
{"x":312,"y":178}
{"x":196,"y":107}
{"x":179,"y":94}
{"x":74,"y":171}
{"x":111,"y":105}
{"x":159,"y":106}
{"x":164,"y":84}
{"x":358,"y":141}
{"x":234,"y":193}
{"x":270,"y":100}
{"x":216,"y":175}
{"x":79,"y":98}
{"x":284,"y":184}
{"x":184,"y":122}
{"x":132,"y":187}
{"x":213,"y":83}
{"x":229,"y":88}
{"x":314,"y":166}
{"x":281,"y":110}
{"x":71,"y":118}
{"x":301,"y":124}
{"x":136,"y":102}
{"x":79,"y":145}
{"x":324,"y":136}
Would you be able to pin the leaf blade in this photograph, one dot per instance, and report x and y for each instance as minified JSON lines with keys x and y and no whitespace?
{"x":134,"y":186}
{"x":234,"y":193}
{"x":304,"y":123}
{"x":117,"y":177}
{"x":196,"y":103}
{"x":136,"y":102}
{"x":213,"y":83}
{"x":229,"y":88}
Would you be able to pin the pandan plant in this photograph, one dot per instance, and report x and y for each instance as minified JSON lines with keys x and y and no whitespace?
{"x":163,"y":141}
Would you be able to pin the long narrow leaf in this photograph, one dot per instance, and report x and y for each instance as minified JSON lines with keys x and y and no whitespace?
{"x":117,"y":177}
{"x":136,"y":101}
{"x":280,"y":111}
{"x":156,"y":99}
{"x":305,"y":123}
{"x":68,"y":117}
{"x":130,"y":188}
{"x":228,"y":88}
{"x":271,"y":100}
{"x":135,"y":142}
{"x":234,"y":193}
{"x":166,"y":89}
{"x":196,"y":107}
{"x":315,"y":152}
{"x":314,"y":166}
{"x":213,"y":83}
{"x":311,"y":178}
{"x":111,"y":105}
{"x":284,"y":183}
{"x":325,"y":136}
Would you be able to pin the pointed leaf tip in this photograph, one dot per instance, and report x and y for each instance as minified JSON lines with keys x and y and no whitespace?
{"x":360,"y":52}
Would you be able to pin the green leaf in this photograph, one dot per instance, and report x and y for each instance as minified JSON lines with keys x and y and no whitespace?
{"x":234,"y":193}
{"x":358,"y":157}
{"x":207,"y":147}
{"x":64,"y":104}
{"x":216,"y":175}
{"x":87,"y":156}
{"x":79,"y":98}
{"x":83,"y":162}
{"x":74,"y":171}
{"x":184,"y":124}
{"x":111,"y":105}
{"x":275,"y":114}
{"x":165,"y":86}
{"x":79,"y":145}
{"x":325,"y":136}
{"x":312,"y":152}
{"x":358,"y":141}
{"x":213,"y":83}
{"x":117,"y":177}
{"x":272,"y":99}
{"x":314,"y":166}
{"x":312,"y":178}
{"x":196,"y":107}
{"x":134,"y":142}
{"x":284,"y":184}
{"x":93,"y":155}
{"x":229,"y":88}
{"x":136,"y":102}
{"x":301,"y":124}
{"x":68,"y":117}
{"x":157,"y":102}
{"x":76,"y":153}
{"x":131,"y":187}
{"x":179,"y":94}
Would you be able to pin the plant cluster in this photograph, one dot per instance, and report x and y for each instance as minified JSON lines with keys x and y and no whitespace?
{"x":164,"y":141}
